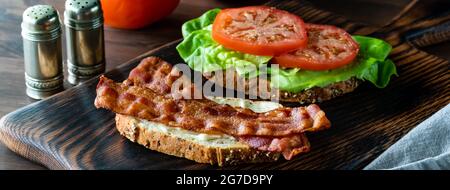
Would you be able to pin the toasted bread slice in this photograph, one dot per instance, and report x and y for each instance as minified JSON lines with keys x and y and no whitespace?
{"x":203,"y":148}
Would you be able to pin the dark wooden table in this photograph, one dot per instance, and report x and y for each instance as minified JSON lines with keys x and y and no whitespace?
{"x":122,"y":45}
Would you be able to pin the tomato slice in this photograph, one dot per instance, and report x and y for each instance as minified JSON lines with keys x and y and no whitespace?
{"x":328,"y":47}
{"x":259,"y":30}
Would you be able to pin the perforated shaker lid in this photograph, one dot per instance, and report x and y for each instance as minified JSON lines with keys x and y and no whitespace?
{"x":83,"y":14}
{"x":40,"y":22}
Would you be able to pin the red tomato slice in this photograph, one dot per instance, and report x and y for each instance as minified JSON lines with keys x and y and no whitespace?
{"x":259,"y":30}
{"x":328,"y":47}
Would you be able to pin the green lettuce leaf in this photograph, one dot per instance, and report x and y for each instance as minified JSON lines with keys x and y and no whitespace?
{"x":199,"y":23}
{"x":370,"y":65}
{"x":203,"y":54}
{"x":377,"y":72}
{"x":373,"y":47}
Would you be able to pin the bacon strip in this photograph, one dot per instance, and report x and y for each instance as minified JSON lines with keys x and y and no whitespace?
{"x":205,"y":115}
{"x":146,"y":94}
{"x":159,"y":76}
{"x":288,"y":146}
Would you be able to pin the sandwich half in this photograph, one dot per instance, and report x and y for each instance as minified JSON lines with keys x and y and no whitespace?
{"x":207,"y":130}
{"x":305,"y":62}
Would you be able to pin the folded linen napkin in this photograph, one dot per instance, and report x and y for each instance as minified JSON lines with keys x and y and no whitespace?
{"x":426,"y":147}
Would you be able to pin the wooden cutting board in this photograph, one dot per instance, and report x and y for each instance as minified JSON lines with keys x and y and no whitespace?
{"x":67,"y":132}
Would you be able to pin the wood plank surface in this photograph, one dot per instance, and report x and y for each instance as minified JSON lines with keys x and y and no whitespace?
{"x":364,"y":125}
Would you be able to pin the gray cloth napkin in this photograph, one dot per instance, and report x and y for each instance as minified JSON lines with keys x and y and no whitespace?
{"x":426,"y":147}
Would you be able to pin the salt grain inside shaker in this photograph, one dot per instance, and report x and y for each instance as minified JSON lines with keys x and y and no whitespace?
{"x":84,"y":39}
{"x":41,"y":32}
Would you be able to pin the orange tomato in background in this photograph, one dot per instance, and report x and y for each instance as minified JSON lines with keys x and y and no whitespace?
{"x":135,"y":14}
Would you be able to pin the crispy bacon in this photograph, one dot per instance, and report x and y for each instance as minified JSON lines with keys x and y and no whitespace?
{"x":147,"y":94}
{"x":159,"y":76}
{"x":205,"y":115}
{"x":289,"y":146}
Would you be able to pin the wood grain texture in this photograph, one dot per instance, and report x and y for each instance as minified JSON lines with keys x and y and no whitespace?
{"x":416,"y":24}
{"x":67,"y":132}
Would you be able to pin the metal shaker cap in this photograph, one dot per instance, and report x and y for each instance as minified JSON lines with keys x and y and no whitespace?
{"x":83,"y":14}
{"x":40,"y":23}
